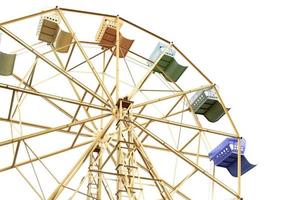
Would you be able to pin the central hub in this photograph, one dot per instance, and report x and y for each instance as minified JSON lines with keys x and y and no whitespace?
{"x":123,"y":107}
{"x":124,"y":103}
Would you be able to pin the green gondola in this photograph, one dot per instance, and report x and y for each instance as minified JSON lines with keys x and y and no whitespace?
{"x":167,"y":65}
{"x":7,"y":62}
{"x":207,"y":104}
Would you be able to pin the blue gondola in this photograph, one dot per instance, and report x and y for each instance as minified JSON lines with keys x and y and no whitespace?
{"x":226,"y":155}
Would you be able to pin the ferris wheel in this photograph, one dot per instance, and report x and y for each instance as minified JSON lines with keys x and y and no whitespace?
{"x":93,"y":106}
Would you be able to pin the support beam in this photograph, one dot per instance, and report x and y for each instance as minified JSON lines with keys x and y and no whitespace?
{"x":109,"y":156}
{"x":145,"y":30}
{"x":26,"y":17}
{"x":83,"y":62}
{"x":184,"y":179}
{"x":187,"y":160}
{"x":59,"y":108}
{"x":149,"y":166}
{"x":55,"y":194}
{"x":11,"y":104}
{"x":127,"y":175}
{"x":25,"y":83}
{"x":117,"y":58}
{"x":79,"y":98}
{"x":49,"y":62}
{"x":113,"y":16}
{"x":69,"y":57}
{"x":177,"y":191}
{"x":163,"y":149}
{"x":141,"y":166}
{"x":194,"y":66}
{"x":25,"y":137}
{"x":146,"y":76}
{"x":165,"y":183}
{"x":45,"y":156}
{"x":239,"y":161}
{"x":81,"y":127}
{"x":171,"y":96}
{"x":50,"y":96}
{"x":184,"y":125}
{"x":90,"y":64}
{"x":189,"y":141}
{"x":42,"y":126}
{"x":163,"y":191}
{"x":165,"y":116}
{"x":183,"y":152}
{"x":16,"y":154}
{"x":86,"y":12}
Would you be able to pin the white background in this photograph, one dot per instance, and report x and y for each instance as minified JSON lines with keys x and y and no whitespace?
{"x":251,"y":49}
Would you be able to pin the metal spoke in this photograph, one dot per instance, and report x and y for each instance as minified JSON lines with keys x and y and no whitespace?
{"x":50,"y":96}
{"x":25,"y":137}
{"x":46,"y":156}
{"x":86,"y":57}
{"x":67,"y":75}
{"x":59,"y":108}
{"x":183,"y":157}
{"x":116,"y":133}
{"x":81,"y":160}
{"x":185,"y":125}
{"x":34,"y":171}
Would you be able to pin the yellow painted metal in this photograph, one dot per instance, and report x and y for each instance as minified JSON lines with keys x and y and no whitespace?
{"x":123,"y":117}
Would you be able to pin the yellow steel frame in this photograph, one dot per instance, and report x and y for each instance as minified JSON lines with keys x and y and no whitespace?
{"x":126,"y":120}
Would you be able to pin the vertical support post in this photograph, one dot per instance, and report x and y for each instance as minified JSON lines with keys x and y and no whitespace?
{"x":54,"y":195}
{"x":117,"y":60}
{"x":90,"y":179}
{"x":103,"y":79}
{"x":130,"y":152}
{"x":119,"y":153}
{"x":163,"y":191}
{"x":99,"y":175}
{"x":130,"y":159}
{"x":213,"y":184}
{"x":11,"y":105}
{"x":100,"y":180}
{"x":94,"y":175}
{"x":239,"y":170}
